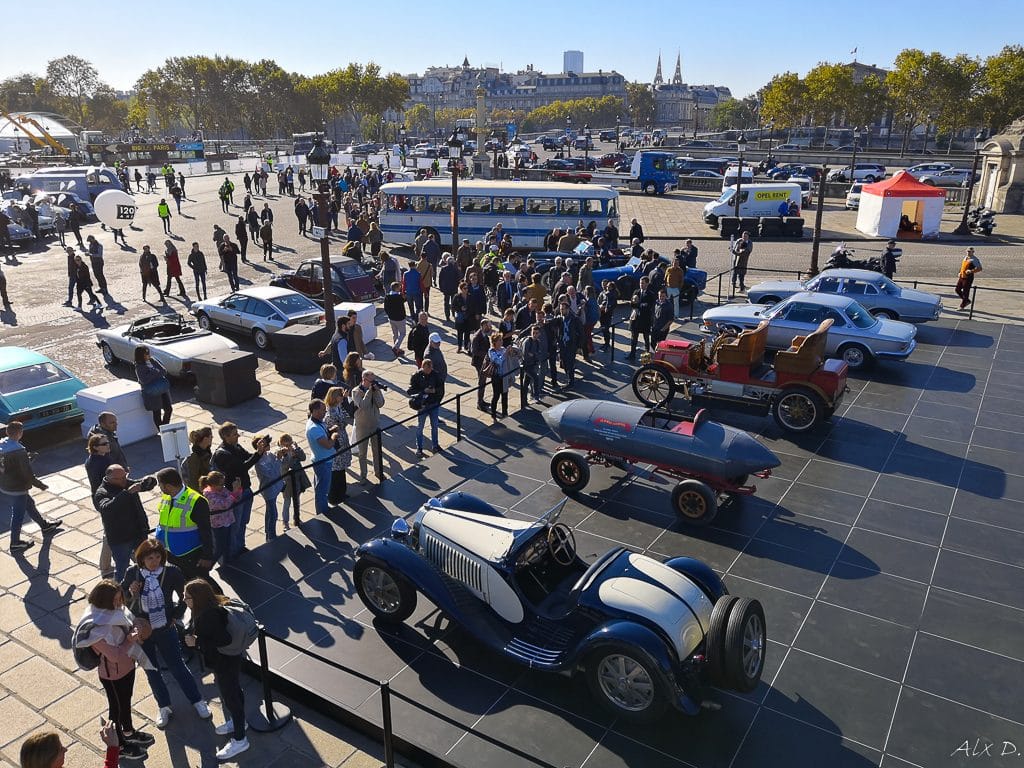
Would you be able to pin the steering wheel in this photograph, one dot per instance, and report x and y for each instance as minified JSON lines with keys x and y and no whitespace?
{"x":562,"y":544}
{"x":718,"y":342}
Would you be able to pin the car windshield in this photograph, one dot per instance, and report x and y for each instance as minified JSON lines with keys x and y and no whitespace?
{"x":859,"y":316}
{"x":887,"y":286}
{"x":769,"y":312}
{"x":351,"y":269}
{"x":727,"y":195}
{"x":293,"y":304}
{"x":29,"y":377}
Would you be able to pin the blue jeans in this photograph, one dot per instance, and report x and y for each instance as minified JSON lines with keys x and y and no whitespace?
{"x":122,"y":554}
{"x":243,"y":511}
{"x":20,"y":503}
{"x":321,"y":485}
{"x":165,"y":641}
{"x":270,"y":497}
{"x":222,"y":543}
{"x":421,"y":419}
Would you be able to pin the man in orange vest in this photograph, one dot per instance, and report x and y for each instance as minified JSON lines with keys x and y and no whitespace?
{"x":969,"y":267}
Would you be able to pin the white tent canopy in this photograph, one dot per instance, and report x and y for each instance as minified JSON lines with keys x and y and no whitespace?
{"x":884,"y":205}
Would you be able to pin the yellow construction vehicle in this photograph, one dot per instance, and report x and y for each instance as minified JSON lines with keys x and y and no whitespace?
{"x":44,"y":140}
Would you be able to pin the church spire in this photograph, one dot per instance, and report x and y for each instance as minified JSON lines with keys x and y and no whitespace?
{"x":677,"y":78}
{"x":465,"y":63}
{"x":657,"y":75}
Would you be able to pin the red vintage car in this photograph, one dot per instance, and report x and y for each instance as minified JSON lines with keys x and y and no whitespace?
{"x":800,"y":388}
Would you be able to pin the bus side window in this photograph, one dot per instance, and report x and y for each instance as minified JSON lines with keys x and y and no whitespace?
{"x":592,"y":207}
{"x":543,"y":206}
{"x":418,"y":203}
{"x":569,"y":207}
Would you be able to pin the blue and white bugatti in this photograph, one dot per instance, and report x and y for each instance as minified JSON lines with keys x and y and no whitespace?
{"x":646,"y":634}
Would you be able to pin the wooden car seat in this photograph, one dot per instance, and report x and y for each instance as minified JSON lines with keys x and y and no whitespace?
{"x":747,"y":349}
{"x":805,"y":354}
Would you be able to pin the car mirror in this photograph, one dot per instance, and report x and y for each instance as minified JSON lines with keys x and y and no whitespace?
{"x":229,"y":305}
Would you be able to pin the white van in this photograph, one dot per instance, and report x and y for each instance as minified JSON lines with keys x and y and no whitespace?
{"x":84,"y":181}
{"x":756,"y":200}
{"x":732,"y":173}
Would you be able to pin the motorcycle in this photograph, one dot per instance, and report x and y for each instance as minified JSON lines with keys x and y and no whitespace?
{"x":981,"y":221}
{"x":841,"y":259}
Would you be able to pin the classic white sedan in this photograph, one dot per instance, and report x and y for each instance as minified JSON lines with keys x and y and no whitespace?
{"x":172,"y":341}
{"x":856,"y":336}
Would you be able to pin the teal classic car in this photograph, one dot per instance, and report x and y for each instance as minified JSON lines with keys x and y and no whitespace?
{"x":35,"y":390}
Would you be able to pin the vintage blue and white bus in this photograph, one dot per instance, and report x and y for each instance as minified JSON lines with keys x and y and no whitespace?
{"x":527,"y":210}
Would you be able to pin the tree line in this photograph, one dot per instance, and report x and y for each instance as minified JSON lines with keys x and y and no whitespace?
{"x":952,"y":93}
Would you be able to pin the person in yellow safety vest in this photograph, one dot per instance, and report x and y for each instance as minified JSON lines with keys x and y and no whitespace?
{"x":184,"y":526}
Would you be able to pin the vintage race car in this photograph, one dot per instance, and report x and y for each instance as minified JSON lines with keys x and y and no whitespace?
{"x":172,"y":341}
{"x":647,"y":635}
{"x":712,"y":460}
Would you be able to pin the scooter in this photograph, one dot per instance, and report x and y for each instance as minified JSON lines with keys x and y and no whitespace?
{"x":981,"y":221}
{"x":840,"y":259}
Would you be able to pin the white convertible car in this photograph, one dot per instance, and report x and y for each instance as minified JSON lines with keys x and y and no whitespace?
{"x":171,"y":339}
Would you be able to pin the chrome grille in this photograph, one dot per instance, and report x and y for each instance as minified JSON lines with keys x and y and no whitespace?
{"x":453,"y":562}
{"x":533,"y":655}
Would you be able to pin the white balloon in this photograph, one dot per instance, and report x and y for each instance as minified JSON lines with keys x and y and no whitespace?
{"x":115,"y":208}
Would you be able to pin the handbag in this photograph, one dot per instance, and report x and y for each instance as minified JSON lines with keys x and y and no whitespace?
{"x":157,"y":387}
{"x":416,"y":401}
{"x":488,"y":369}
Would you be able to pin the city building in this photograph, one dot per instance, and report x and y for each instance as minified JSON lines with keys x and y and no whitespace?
{"x":572,"y":61}
{"x":678,"y":104}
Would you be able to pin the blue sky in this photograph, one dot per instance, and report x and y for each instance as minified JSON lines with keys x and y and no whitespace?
{"x":124,"y":39}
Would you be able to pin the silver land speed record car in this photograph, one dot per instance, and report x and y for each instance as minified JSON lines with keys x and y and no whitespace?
{"x":646,"y":634}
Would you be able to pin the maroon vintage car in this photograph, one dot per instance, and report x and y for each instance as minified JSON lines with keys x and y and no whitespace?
{"x":351,"y":281}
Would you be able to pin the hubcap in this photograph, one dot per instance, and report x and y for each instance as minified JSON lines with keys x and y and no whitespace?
{"x":653,"y":385}
{"x":625,"y":682}
{"x":797,"y":411}
{"x":853,"y":356}
{"x":108,"y":355}
{"x":381,"y":590}
{"x":568,"y":472}
{"x":692,"y":504}
{"x":753,"y":646}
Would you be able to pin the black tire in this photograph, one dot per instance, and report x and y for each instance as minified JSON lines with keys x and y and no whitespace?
{"x":798,"y":409}
{"x":108,"y":354}
{"x":714,"y":643}
{"x":745,"y":645}
{"x":570,"y":471}
{"x":650,"y":189}
{"x":769,"y":300}
{"x":886,"y":314}
{"x":694,"y":502}
{"x":260,"y":338}
{"x":627,"y":683}
{"x":386,"y":594}
{"x":653,"y":386}
{"x":869,"y":179}
{"x":204,"y":321}
{"x":625,"y":286}
{"x":856,"y":356}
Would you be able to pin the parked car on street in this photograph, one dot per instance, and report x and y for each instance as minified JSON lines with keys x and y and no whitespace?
{"x":853,"y":197}
{"x":881,"y":296}
{"x":257,"y":312}
{"x":869,"y":172}
{"x":856,"y":336}
{"x":35,"y":390}
{"x":922,"y":169}
{"x":172,"y":341}
{"x":351,"y":281}
{"x":647,"y":635}
{"x":954,"y":177}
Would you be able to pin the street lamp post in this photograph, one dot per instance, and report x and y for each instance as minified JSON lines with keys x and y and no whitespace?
{"x":853,"y":160}
{"x":741,"y":145}
{"x":319,"y":159}
{"x":771,"y":137}
{"x":927,"y":130}
{"x":455,"y":162}
{"x":216,"y":133}
{"x":568,"y":138}
{"x":979,"y":140}
{"x":586,"y":145}
{"x":618,"y":125}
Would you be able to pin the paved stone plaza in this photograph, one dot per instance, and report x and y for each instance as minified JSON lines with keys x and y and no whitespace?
{"x":43,"y":593}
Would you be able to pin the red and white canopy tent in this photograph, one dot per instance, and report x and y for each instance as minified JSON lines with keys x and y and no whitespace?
{"x":884,"y":204}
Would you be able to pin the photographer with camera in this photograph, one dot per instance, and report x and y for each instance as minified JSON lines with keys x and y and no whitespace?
{"x":125,"y":525}
{"x":368,"y":399}
{"x":425,"y":390}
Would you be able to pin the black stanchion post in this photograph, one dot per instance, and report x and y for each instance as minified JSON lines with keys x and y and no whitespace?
{"x":974,"y":295}
{"x":378,"y":455}
{"x":611,"y":356}
{"x":458,"y":417}
{"x":718,"y":298}
{"x":385,"y":713}
{"x":522,"y":388}
{"x":269,"y":716}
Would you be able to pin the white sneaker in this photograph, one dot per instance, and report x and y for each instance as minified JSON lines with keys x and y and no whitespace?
{"x":163,"y":717}
{"x":202,"y":709}
{"x":232,"y":748}
{"x":225,"y":730}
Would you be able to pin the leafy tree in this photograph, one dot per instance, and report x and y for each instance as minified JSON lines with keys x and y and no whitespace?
{"x":105,"y":112}
{"x":732,"y":113}
{"x":783,"y":100}
{"x":27,"y":92}
{"x":418,"y":119}
{"x":937,"y":89}
{"x":1002,"y":82}
{"x":641,"y":103}
{"x":73,"y":80}
{"x":869,"y":100}
{"x":829,"y":92}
